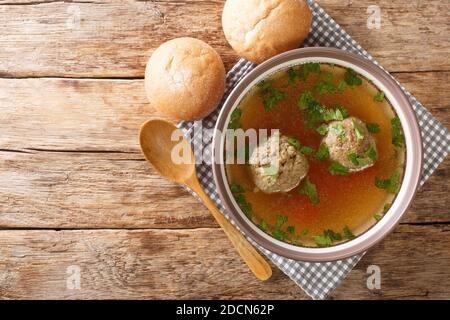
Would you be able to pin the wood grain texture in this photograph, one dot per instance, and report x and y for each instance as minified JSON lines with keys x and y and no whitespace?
{"x":110,"y":190}
{"x":73,"y":145}
{"x":99,"y":115}
{"x":115,"y":38}
{"x":69,"y":157}
{"x":198,"y":264}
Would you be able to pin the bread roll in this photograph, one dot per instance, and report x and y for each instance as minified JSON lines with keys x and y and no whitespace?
{"x":260,"y":29}
{"x":185,"y":79}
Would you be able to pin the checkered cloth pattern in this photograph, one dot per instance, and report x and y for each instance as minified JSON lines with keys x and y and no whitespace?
{"x":316,"y":279}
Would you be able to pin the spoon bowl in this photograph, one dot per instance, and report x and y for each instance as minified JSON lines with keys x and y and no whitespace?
{"x":159,"y":139}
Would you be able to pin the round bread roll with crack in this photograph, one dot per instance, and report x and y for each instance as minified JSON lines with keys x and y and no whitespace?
{"x":185,"y":79}
{"x":260,"y":29}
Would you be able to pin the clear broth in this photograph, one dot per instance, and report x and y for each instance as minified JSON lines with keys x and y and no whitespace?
{"x":352,"y":201}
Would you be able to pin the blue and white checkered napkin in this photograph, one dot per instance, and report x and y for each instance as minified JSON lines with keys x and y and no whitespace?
{"x":316,"y":279}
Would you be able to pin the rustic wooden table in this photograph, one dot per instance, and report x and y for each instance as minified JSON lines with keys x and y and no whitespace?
{"x":77,"y":197}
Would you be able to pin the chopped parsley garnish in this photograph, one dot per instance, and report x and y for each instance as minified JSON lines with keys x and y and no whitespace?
{"x":371,"y":153}
{"x":245,"y":206}
{"x":270,"y":95}
{"x":312,"y":109}
{"x":341,"y":86}
{"x":263,"y":225}
{"x":379,"y":97}
{"x":386,"y":207}
{"x":238,"y":193}
{"x":324,"y":87}
{"x":306,"y":150}
{"x":377,"y":217}
{"x":347,"y":233}
{"x":304,"y":232}
{"x":398,"y":139}
{"x":333,"y":114}
{"x":323,"y":152}
{"x":277,"y":232}
{"x":327,"y":238}
{"x":270,"y":170}
{"x":290,"y":229}
{"x":292,"y":74}
{"x":294,"y":142}
{"x":391,"y":185}
{"x":327,"y":86}
{"x":307,"y":68}
{"x":338,"y":169}
{"x":351,"y":78}
{"x":280,"y":221}
{"x":236,"y":188}
{"x":302,"y":72}
{"x":298,"y":146}
{"x":357,"y":160}
{"x":235,"y":119}
{"x":344,"y":112}
{"x":309,"y":189}
{"x":338,"y":129}
{"x":322,"y":130}
{"x":359,"y":130}
{"x":314,"y":112}
{"x":373,"y":127}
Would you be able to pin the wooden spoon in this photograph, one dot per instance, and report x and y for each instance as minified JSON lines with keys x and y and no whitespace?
{"x":156,"y":143}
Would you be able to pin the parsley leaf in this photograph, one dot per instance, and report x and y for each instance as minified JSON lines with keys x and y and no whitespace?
{"x":306,"y":150}
{"x":263,"y":225}
{"x":270,"y":95}
{"x":323,"y":152}
{"x":322,"y":130}
{"x":279,"y":234}
{"x":347,"y":233}
{"x":357,"y":160}
{"x":245,"y":206}
{"x":302,"y":72}
{"x":377,"y":217}
{"x":235,"y":119}
{"x":290,"y":229}
{"x":379,"y":97}
{"x":338,"y":169}
{"x":327,"y":238}
{"x":351,"y":78}
{"x":373,"y":127}
{"x":307,"y":68}
{"x":371,"y":153}
{"x":238,"y":193}
{"x":398,"y":139}
{"x":391,"y":185}
{"x":327,"y":86}
{"x":294,"y":142}
{"x":309,"y":189}
{"x":359,"y":130}
{"x":324,"y":87}
{"x":236,"y":188}
{"x":280,"y":221}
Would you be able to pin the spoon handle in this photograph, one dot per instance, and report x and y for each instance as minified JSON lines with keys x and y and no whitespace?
{"x":260,"y":268}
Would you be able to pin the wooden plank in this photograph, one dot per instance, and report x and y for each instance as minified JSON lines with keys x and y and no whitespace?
{"x":413,"y":262}
{"x":115,"y":38}
{"x":69,"y":114}
{"x":109,"y":190}
{"x":200,"y":263}
{"x":93,"y":190}
{"x":98,"y":177}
